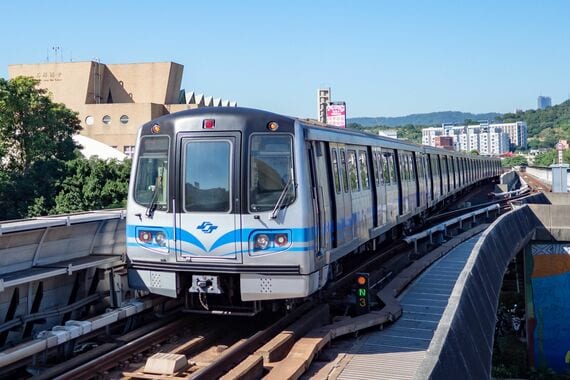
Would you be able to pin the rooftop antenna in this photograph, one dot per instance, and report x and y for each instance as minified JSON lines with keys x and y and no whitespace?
{"x":55,"y":49}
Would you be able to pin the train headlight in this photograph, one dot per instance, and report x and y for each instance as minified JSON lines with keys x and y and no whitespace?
{"x":261,"y":241}
{"x":160,"y":239}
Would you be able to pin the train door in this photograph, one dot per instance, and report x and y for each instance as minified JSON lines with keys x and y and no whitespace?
{"x":208,"y":221}
{"x":322,"y":193}
{"x":427,"y":179}
{"x":420,"y":180}
{"x":444,"y":175}
{"x":344,"y":207}
{"x":380,"y":181}
{"x":392,"y":187}
{"x":402,"y":184}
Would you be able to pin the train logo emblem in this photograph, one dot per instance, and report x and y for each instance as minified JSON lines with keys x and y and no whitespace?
{"x":206,"y":227}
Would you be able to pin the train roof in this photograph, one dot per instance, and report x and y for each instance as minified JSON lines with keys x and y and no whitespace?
{"x":315,"y":129}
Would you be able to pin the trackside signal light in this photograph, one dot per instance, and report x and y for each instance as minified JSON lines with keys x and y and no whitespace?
{"x":362,"y":293}
{"x":208,"y":124}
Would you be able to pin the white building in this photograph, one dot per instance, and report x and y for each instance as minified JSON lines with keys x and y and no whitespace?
{"x":487,"y":139}
{"x":392,"y":133}
{"x":517,"y":131}
{"x":429,"y":134}
{"x":323,"y":98}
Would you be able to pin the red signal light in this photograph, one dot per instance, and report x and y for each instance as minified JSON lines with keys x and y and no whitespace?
{"x":209,"y":124}
{"x":361,"y":280}
{"x":145,"y":236}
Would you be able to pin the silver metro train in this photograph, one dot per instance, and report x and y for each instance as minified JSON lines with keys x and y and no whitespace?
{"x":232,"y":207}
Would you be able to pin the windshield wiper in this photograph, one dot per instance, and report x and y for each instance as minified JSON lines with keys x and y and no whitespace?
{"x":282,"y":196}
{"x":153,"y":204}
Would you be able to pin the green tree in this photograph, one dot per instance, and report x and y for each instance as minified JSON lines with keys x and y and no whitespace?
{"x":35,"y":141}
{"x":551,"y":157}
{"x":92,"y":185}
{"x":509,"y":162}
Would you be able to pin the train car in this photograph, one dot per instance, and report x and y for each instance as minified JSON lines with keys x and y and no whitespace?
{"x":232,"y":208}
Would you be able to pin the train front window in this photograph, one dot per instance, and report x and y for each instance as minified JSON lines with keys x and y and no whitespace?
{"x":207,"y":176}
{"x":271,"y":172}
{"x":151,"y":183}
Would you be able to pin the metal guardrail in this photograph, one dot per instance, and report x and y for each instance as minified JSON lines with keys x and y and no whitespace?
{"x":442,"y":227}
{"x":59,"y":220}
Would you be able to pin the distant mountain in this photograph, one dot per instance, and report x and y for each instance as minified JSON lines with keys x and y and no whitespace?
{"x":424,"y":118}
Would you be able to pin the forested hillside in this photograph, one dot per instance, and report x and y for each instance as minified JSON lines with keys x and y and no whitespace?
{"x":545,"y":127}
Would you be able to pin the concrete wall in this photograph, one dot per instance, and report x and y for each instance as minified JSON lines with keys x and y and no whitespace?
{"x":545,"y":174}
{"x":463,"y":344}
{"x":509,"y":178}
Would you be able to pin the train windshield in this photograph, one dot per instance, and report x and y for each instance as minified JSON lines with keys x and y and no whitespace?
{"x":207,"y":166}
{"x":271,"y":179}
{"x":151,"y":183}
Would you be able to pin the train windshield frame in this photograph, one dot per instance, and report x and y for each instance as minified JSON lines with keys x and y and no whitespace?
{"x":207,"y":168}
{"x":151,"y":180}
{"x":271,"y":171}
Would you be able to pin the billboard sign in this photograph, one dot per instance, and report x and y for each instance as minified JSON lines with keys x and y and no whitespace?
{"x":336,"y":114}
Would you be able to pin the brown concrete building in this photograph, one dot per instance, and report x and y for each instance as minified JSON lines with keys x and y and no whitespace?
{"x":445,"y":142}
{"x":113,"y":101}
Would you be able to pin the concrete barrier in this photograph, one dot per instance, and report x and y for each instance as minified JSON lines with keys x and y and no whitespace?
{"x":510,"y":179}
{"x":544,"y":174}
{"x":462,"y":346}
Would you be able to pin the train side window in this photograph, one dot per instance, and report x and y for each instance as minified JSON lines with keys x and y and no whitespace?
{"x":336,"y":175}
{"x":412,"y":168}
{"x":353,"y":171}
{"x":392,"y":166}
{"x":343,"y":170}
{"x":386,"y":168}
{"x":363,"y":166}
{"x":375,"y":168}
{"x":405,"y":168}
{"x":381,"y":168}
{"x":419,"y":168}
{"x":434,"y":166}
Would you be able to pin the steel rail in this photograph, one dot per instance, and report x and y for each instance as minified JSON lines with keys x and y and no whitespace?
{"x":239,"y":351}
{"x":157,"y":332}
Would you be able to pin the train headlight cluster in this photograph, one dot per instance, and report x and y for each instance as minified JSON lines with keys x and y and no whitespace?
{"x":156,"y":239}
{"x":270,"y":241}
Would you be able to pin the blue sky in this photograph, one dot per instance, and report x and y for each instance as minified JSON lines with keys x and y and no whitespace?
{"x":384,"y":58}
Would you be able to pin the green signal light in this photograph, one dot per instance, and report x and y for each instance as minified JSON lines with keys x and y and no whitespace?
{"x":362,"y":305}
